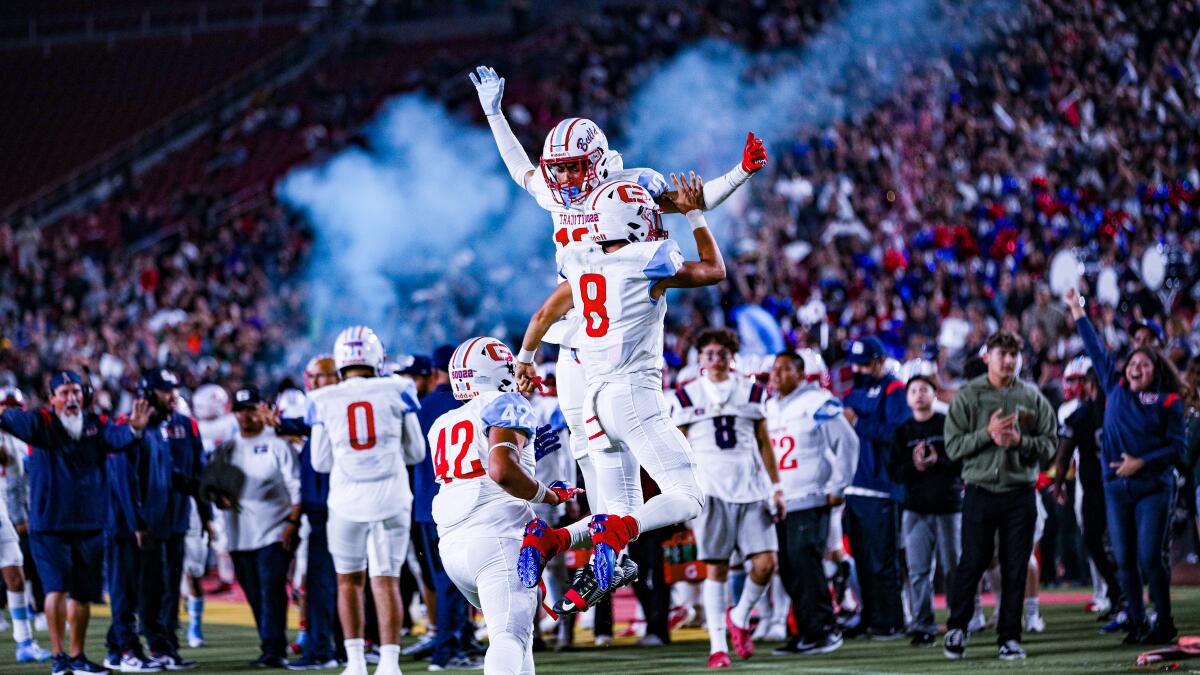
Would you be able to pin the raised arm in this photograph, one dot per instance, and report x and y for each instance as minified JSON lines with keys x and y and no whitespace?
{"x":710,"y":269}
{"x":1102,"y":361}
{"x":554,"y":307}
{"x":490,"y":88}
{"x":754,"y":158}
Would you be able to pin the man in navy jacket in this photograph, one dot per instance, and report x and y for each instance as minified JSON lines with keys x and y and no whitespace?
{"x":69,"y":504}
{"x":875,"y":406}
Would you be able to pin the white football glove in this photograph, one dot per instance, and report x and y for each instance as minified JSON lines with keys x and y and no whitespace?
{"x":653,"y":181}
{"x":490,"y":88}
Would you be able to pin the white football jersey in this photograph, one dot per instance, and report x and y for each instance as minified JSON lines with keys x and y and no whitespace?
{"x":365,"y":429}
{"x":216,"y":431}
{"x":720,"y":419}
{"x":621,"y":325}
{"x":570,"y":225}
{"x":468,"y":497}
{"x":816,"y":450}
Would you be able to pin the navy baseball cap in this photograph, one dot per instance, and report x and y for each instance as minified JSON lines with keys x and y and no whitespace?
{"x":159,"y":379}
{"x":441,"y":357}
{"x":865,"y":350}
{"x":1152,"y":325}
{"x":418,"y":364}
{"x":246,"y":398}
{"x":64,"y":377}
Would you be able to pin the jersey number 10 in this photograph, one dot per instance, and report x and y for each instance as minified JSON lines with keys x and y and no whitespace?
{"x":463,"y":433}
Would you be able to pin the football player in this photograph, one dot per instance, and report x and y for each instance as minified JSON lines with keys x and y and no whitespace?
{"x":365,"y":431}
{"x":617,"y":280}
{"x":484,"y":462}
{"x":575,"y":160}
{"x":722,"y":416}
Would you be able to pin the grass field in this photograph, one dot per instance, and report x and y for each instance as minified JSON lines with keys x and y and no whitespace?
{"x":1070,"y":645}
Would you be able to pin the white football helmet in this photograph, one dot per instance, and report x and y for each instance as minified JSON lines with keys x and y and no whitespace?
{"x":580,"y":142}
{"x":292,"y":403}
{"x":1074,"y":376}
{"x":359,"y":346}
{"x":624,"y":211}
{"x":481,"y":364}
{"x":210,"y":401}
{"x":914,"y":367}
{"x":815,"y":369}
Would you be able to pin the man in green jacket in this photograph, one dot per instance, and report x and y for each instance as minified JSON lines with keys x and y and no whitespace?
{"x":1003,"y":431}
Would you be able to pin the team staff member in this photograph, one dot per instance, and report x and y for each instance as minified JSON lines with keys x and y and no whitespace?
{"x":1002,"y":430}
{"x":1143,"y":437}
{"x":69,"y":505}
{"x":263,"y":529}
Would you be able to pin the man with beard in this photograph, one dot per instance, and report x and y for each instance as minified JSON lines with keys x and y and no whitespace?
{"x":69,"y":505}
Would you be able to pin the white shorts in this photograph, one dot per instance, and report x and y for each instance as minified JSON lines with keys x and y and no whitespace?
{"x":485,"y":570}
{"x":195,"y":554}
{"x":724,"y":527}
{"x":379,"y":546}
{"x":10,"y":545}
{"x":834,"y":541}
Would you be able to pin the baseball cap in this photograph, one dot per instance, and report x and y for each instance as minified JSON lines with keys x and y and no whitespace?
{"x":1152,"y":325}
{"x":865,"y":350}
{"x":246,"y":398}
{"x":418,"y":364}
{"x":441,"y":357}
{"x":159,"y":379}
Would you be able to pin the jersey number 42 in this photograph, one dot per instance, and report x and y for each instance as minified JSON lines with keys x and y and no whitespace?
{"x":461,"y":435}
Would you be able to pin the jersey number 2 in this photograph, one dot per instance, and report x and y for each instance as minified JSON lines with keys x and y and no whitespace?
{"x":368,"y":415}
{"x":462,"y":433}
{"x":594,"y":291}
{"x":787,"y":444}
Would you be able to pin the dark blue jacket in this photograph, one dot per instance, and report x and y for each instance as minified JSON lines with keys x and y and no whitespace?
{"x":139,"y":483}
{"x":435,"y":404}
{"x":187,"y":457}
{"x":1145,"y":424}
{"x":68,"y":479}
{"x":882,"y":406}
{"x":314,"y":485}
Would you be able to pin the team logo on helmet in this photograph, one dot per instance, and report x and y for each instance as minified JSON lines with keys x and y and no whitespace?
{"x":481,"y":364}
{"x":626,"y":212}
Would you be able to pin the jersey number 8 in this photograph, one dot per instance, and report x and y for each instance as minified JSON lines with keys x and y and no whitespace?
{"x":463,"y":433}
{"x":593,"y":289}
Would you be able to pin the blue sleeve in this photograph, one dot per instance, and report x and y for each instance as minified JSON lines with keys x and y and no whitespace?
{"x":1162,"y":458}
{"x":409,"y":396}
{"x":882,"y":432}
{"x":33,"y":427}
{"x":119,"y":437}
{"x":665,"y":262}
{"x":1102,"y":361}
{"x":827,"y":411}
{"x":294,"y":426}
{"x":510,"y":411}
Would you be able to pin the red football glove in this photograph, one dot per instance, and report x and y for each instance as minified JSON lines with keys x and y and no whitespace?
{"x":754,"y":155}
{"x":563,"y":490}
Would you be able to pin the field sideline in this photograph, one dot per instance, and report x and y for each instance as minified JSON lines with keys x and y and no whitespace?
{"x":1071,"y":645}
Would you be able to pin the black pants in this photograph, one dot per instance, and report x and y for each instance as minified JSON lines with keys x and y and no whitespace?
{"x":324,"y":629}
{"x":873,"y":525}
{"x":802,"y":538}
{"x":651,"y":588}
{"x":134,"y":579}
{"x":173,"y":550}
{"x":262,"y":574}
{"x":1012,"y":515}
{"x":1095,"y":526}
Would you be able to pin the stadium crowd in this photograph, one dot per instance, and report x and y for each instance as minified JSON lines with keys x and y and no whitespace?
{"x":933,"y":219}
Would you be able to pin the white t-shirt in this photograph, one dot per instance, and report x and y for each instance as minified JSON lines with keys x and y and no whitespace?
{"x":216,"y":431}
{"x":720,"y":418}
{"x":364,"y":431}
{"x":621,"y":325}
{"x":468,"y":497}
{"x":272,"y":488}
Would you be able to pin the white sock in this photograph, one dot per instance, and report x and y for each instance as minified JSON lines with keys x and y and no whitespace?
{"x":354,"y":653}
{"x":714,"y":615}
{"x":1031,"y":607}
{"x":22,"y":628}
{"x":389,"y":655}
{"x":579,"y":531}
{"x":751,"y":592}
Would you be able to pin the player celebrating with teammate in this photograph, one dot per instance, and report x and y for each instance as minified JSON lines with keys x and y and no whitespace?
{"x":485,"y":464}
{"x":617,"y":279}
{"x":722,"y":416}
{"x":365,"y":430}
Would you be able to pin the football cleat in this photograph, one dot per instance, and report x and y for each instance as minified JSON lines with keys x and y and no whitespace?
{"x":30,"y":652}
{"x":539,"y":545}
{"x":719,"y":660}
{"x":610,"y":534}
{"x":742,"y":644}
{"x":585,"y":592}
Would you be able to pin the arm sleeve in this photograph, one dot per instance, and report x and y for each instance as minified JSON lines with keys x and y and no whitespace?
{"x":1040,"y":445}
{"x":719,"y":189}
{"x":414,"y":441}
{"x":843,"y":442}
{"x":962,"y":441}
{"x":293,"y":426}
{"x":1158,"y":459}
{"x":665,"y":262}
{"x":322,"y":449}
{"x":510,"y":411}
{"x":289,"y":469}
{"x":515,"y":159}
{"x":31,"y":426}
{"x":1102,"y":361}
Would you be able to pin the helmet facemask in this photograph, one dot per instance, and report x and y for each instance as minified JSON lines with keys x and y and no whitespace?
{"x":577,"y":189}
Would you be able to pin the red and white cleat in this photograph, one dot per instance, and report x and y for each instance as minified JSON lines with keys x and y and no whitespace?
{"x":742,"y":641}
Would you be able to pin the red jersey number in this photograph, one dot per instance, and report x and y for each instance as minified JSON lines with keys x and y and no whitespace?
{"x":786,"y":445}
{"x":460,"y":434}
{"x":361,"y":438}
{"x":593,"y":288}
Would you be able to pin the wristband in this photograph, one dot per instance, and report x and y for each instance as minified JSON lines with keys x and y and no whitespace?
{"x":696,"y":219}
{"x":525,"y":356}
{"x":776,"y":487}
{"x":540,"y":497}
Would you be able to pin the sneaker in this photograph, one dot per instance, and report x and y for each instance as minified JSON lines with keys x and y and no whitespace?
{"x":884,"y":635}
{"x":265,"y":661}
{"x":460,"y":662}
{"x":1137,"y":632}
{"x":610,"y":534}
{"x":62,"y":665}
{"x":828,"y":643}
{"x":954,"y":645}
{"x":790,"y":648}
{"x":719,"y":660}
{"x":195,"y":638}
{"x":978,"y":622}
{"x":173,"y":661}
{"x":603,"y":640}
{"x":1119,"y":622}
{"x":740,"y":637}
{"x":133,"y":662}
{"x":307,"y":663}
{"x":538,"y":546}
{"x":585,"y":591}
{"x":371,"y":654}
{"x":1163,"y":633}
{"x":421,"y":649}
{"x":650,"y":640}
{"x":30,"y":652}
{"x":923,"y":639}
{"x":776,"y":632}
{"x":1034,"y":623}
{"x":81,"y":664}
{"x":1011,"y":651}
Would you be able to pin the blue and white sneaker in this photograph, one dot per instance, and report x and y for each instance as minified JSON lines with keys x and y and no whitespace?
{"x":172,"y":661}
{"x":81,"y":664}
{"x":30,"y":652}
{"x":62,"y":665}
{"x":133,"y":662}
{"x":1120,"y":622}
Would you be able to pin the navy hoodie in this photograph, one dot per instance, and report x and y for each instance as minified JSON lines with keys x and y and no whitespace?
{"x":68,"y":479}
{"x":1146,"y":424}
{"x":882,"y":406}
{"x":140,"y":486}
